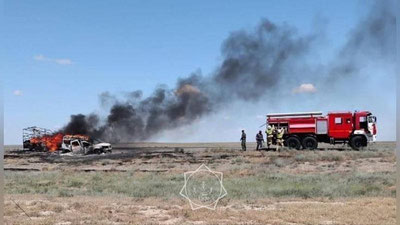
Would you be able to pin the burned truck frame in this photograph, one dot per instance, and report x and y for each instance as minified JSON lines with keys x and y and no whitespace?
{"x":31,"y":133}
{"x":84,"y":145}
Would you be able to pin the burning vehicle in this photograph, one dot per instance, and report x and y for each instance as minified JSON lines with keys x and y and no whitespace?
{"x":41,"y":139}
{"x":84,"y":145}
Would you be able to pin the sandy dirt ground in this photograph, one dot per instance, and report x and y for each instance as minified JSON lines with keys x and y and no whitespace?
{"x":107,"y":210}
{"x":177,"y":158}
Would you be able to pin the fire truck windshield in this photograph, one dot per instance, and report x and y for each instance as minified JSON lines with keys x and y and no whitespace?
{"x":371,"y":119}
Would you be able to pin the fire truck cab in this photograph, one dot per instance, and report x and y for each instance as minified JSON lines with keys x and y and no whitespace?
{"x":306,"y":129}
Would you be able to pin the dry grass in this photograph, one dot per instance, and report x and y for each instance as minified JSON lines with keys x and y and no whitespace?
{"x":106,"y":210}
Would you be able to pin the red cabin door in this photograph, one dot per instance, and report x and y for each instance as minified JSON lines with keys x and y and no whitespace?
{"x":340,"y":125}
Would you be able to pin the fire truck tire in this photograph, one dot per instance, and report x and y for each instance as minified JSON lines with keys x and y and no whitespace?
{"x":357,"y":142}
{"x":293,"y":142}
{"x":310,"y":143}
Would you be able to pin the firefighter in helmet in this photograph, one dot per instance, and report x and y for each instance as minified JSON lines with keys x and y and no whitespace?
{"x":270,"y":134}
{"x":279,"y":138}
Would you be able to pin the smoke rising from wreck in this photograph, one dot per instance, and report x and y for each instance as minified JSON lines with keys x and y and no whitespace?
{"x":254,"y":63}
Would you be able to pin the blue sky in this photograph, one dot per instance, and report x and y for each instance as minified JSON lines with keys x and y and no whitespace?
{"x":60,"y":55}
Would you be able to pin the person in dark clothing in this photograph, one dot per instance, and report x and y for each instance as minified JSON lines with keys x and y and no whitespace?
{"x":243,"y":140}
{"x":259,"y":140}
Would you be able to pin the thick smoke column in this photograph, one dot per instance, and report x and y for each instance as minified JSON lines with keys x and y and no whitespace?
{"x":254,"y":63}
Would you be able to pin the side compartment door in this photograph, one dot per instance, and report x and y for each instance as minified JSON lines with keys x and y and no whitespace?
{"x":322,"y":126}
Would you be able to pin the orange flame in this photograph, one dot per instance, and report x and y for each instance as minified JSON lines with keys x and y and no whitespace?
{"x":52,"y":142}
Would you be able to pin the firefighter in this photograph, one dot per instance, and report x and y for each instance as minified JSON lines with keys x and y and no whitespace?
{"x":260,"y":140}
{"x":243,"y":140}
{"x":269,"y":132}
{"x":279,"y":138}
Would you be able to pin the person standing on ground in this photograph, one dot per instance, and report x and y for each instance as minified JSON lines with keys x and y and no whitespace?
{"x":270,"y":134}
{"x":243,"y":140}
{"x":279,"y":138}
{"x":259,"y":140}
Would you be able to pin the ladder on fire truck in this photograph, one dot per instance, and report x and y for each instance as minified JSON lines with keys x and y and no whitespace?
{"x":296,"y":114}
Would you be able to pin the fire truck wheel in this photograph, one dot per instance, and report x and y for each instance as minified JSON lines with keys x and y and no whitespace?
{"x":293,"y":142}
{"x":357,"y":142}
{"x":310,"y":143}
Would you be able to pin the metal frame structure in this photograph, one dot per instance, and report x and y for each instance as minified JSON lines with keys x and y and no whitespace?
{"x":33,"y":132}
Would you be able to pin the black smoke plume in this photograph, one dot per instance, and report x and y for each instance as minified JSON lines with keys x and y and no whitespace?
{"x":254,"y":63}
{"x":374,"y":38}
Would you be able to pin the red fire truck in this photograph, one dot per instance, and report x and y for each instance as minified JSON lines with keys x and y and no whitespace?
{"x":306,"y":129}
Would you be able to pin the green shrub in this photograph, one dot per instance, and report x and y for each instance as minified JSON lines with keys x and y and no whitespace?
{"x":162,"y":185}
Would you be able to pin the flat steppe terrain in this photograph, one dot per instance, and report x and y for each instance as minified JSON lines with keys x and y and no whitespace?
{"x":139,"y":183}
